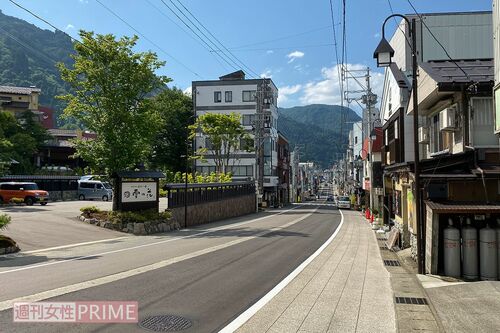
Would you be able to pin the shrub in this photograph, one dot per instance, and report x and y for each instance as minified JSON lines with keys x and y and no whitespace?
{"x":4,"y":220}
{"x":163,"y":193}
{"x":137,"y":217}
{"x":89,"y":210}
{"x":16,"y":201}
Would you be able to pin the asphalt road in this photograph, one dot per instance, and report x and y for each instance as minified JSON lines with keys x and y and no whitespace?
{"x":210,"y":276}
{"x":38,"y":227}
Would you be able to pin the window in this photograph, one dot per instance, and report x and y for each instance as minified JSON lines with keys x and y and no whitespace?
{"x":355,"y":140}
{"x":205,"y":170}
{"x":396,"y":129}
{"x":99,"y":186}
{"x":248,"y":119}
{"x":242,"y":170}
{"x":217,"y":96}
{"x":249,"y":95}
{"x":86,"y":185}
{"x":228,"y":96}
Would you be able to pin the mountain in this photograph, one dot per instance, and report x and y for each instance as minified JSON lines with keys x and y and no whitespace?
{"x":315,"y":129}
{"x":28,"y":56}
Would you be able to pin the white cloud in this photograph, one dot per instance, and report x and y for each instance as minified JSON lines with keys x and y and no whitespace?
{"x":294,"y":55}
{"x":69,"y":27}
{"x":267,"y":74}
{"x":83,"y":1}
{"x":269,"y":51}
{"x":377,"y":35}
{"x":285,"y":91}
{"x":187,"y":91}
{"x":326,"y":90}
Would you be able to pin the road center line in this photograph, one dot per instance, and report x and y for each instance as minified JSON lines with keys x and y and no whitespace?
{"x":5,"y":305}
{"x":144,"y":245}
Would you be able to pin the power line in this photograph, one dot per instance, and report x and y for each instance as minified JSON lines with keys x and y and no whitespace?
{"x":194,"y":32}
{"x":397,"y":24}
{"x":50,"y":60}
{"x":437,"y":41}
{"x":282,"y":38}
{"x":186,"y":32}
{"x":146,"y":38}
{"x":279,"y":48}
{"x":216,"y":39}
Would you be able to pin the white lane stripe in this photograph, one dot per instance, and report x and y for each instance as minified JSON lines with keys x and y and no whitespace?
{"x":251,"y":311}
{"x":229,"y":226}
{"x":71,"y":245}
{"x":4,"y":305}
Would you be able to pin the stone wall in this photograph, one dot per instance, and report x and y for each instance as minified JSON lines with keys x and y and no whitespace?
{"x":413,"y":244}
{"x":215,"y":210}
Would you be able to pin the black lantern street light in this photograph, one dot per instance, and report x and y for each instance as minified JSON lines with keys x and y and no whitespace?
{"x":384,"y":53}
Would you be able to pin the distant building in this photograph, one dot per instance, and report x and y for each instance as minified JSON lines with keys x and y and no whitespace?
{"x":283,"y":170}
{"x":17,"y":100}
{"x":235,"y":93}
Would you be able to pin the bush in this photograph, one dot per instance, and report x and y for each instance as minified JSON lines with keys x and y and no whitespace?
{"x":163,"y":193}
{"x":4,"y":220}
{"x":16,"y":201}
{"x":137,"y":217}
{"x":89,"y":210}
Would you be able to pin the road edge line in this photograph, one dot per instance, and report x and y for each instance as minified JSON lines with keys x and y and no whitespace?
{"x":251,"y":311}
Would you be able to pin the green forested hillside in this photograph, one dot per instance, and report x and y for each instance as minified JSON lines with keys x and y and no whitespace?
{"x":315,"y":129}
{"x":28,"y":56}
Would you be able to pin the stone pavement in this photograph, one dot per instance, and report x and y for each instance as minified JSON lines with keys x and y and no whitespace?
{"x":345,"y":289}
{"x":464,"y":307}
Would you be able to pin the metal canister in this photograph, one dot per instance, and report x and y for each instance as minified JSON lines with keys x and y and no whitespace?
{"x":488,"y":254}
{"x":469,"y":251}
{"x":451,"y":250}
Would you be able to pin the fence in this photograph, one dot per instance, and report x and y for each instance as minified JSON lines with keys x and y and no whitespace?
{"x":208,"y":192}
{"x":59,"y":187}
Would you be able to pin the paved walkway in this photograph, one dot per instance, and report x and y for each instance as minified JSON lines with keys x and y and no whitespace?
{"x":345,"y":289}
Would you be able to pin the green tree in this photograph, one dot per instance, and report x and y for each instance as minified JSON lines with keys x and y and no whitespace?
{"x":224,"y":132}
{"x":175,"y":110}
{"x":110,"y":84}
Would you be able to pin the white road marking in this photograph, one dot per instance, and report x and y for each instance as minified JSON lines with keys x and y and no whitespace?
{"x":251,"y":311}
{"x":229,"y":226}
{"x":71,"y":245}
{"x":4,"y":305}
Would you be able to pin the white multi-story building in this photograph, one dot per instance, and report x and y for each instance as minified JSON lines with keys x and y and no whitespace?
{"x":234,"y":93}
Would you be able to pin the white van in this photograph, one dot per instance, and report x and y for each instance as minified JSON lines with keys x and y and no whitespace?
{"x":94,"y":189}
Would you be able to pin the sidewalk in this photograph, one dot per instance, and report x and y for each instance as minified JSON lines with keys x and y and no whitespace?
{"x":345,"y":289}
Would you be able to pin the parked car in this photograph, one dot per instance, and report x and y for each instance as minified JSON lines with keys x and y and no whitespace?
{"x":28,"y":192}
{"x":343,"y":202}
{"x":329,"y":198}
{"x":94,"y":189}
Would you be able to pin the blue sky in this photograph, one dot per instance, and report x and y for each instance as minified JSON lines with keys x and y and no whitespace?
{"x":289,"y":41}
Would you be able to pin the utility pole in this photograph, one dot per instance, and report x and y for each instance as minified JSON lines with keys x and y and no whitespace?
{"x":262,"y":121}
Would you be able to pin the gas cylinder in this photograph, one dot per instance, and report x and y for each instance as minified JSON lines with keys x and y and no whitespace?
{"x":498,"y":247}
{"x":451,"y":250}
{"x":469,"y":251}
{"x":488,"y":253}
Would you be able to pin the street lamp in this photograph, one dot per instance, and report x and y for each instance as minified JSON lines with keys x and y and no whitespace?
{"x":384,"y":53}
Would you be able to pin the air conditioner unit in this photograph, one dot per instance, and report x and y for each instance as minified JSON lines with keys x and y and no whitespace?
{"x":447,"y":119}
{"x":423,"y":135}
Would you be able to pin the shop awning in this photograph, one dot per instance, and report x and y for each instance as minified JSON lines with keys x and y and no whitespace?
{"x":461,"y":207}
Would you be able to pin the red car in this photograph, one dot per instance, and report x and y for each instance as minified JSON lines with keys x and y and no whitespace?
{"x":28,"y":192}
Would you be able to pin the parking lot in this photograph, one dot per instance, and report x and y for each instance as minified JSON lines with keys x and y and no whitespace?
{"x":56,"y":224}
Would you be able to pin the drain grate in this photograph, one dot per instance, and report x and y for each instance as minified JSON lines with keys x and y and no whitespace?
{"x":381,"y":238}
{"x":411,"y":300}
{"x":166,"y":323}
{"x":392,"y":263}
{"x":383,"y":248}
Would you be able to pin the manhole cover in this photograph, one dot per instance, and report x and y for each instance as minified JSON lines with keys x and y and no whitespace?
{"x":166,"y":323}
